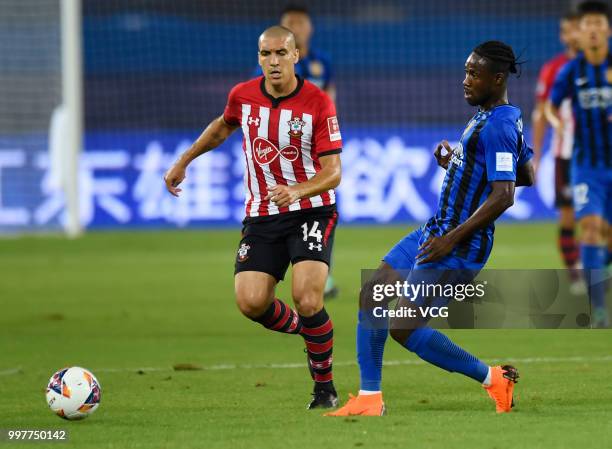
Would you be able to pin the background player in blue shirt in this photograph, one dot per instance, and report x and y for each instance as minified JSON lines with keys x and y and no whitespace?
{"x":481,"y":173}
{"x":313,"y":65}
{"x":587,"y":80}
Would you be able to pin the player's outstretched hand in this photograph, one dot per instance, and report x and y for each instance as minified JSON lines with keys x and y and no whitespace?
{"x":282,"y":195}
{"x":443,"y":159}
{"x":173,"y":177}
{"x":434,"y":249}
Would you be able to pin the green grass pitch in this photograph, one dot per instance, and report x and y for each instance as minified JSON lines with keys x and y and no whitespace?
{"x":131,"y":305}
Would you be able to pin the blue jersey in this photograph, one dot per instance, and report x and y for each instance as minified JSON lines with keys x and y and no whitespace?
{"x":590,"y":90}
{"x":491,"y":148}
{"x":316,"y":68}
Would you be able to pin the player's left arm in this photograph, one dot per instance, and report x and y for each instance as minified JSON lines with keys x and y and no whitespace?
{"x":327,"y":178}
{"x":525,"y":174}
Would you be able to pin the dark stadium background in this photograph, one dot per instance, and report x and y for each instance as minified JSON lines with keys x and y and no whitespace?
{"x":156,"y":72}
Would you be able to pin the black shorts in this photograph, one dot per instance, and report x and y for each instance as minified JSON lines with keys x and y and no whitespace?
{"x":563,"y":186}
{"x":270,"y":243}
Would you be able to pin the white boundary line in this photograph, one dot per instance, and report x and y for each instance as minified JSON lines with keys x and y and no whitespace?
{"x":236,"y":366}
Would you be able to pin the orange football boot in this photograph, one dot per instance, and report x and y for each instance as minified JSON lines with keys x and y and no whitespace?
{"x":503,"y":379}
{"x":362,"y":405}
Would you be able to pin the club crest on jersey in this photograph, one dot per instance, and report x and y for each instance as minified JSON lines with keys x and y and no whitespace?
{"x":295,"y":127}
{"x":264,"y":151}
{"x":243,"y":252}
{"x":457,"y":157}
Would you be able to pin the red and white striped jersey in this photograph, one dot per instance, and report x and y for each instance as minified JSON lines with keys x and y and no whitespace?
{"x":284,"y":139}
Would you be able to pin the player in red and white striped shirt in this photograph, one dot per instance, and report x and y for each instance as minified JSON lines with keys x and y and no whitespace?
{"x":292,"y":148}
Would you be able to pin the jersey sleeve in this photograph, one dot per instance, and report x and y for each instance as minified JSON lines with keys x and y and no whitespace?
{"x":501,"y":143}
{"x":326,"y":132}
{"x":525,"y":155}
{"x":233,"y":110}
{"x":562,"y":87}
{"x":545,"y":81}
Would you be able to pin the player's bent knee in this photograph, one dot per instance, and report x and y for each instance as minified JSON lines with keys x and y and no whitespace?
{"x":308,"y":303}
{"x":366,"y":295}
{"x":400,"y":334}
{"x":384,"y":275}
{"x":251,"y":304}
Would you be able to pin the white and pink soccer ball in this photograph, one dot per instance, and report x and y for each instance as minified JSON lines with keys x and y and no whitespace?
{"x":73,"y":393}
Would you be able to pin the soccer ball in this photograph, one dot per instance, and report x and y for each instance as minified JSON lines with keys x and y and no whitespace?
{"x":73,"y":393}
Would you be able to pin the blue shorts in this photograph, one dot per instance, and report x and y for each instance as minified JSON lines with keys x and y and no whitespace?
{"x":449,"y":270}
{"x":403,"y":256}
{"x":592,"y":192}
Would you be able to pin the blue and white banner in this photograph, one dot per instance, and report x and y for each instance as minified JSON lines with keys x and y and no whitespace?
{"x":389,"y":175}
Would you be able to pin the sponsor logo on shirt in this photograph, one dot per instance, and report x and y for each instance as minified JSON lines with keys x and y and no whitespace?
{"x":264,"y":151}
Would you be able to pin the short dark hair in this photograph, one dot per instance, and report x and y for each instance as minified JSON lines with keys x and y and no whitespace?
{"x":295,"y":7}
{"x":500,"y":56}
{"x":570,"y":15}
{"x":593,"y":7}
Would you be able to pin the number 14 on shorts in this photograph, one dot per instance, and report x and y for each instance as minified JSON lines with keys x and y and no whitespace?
{"x":315,"y":234}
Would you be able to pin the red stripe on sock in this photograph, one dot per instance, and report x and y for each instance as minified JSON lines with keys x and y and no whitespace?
{"x":283,"y":320}
{"x":318,"y":348}
{"x":323,"y":377}
{"x":316,"y":331}
{"x":277,"y":309}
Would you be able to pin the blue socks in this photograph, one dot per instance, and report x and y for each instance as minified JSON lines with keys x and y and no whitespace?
{"x":429,"y":344}
{"x":594,"y":262}
{"x":436,"y":348}
{"x":371,"y":337}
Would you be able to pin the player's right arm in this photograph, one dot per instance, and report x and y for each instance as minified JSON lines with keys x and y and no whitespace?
{"x":562,"y":88}
{"x":539,"y":124}
{"x":538,"y":117}
{"x":214,"y":135}
{"x":500,"y":198}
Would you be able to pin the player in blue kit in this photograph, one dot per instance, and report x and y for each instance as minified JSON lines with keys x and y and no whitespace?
{"x":587,"y":80}
{"x":481,"y":174}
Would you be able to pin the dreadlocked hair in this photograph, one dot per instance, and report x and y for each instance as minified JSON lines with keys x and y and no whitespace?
{"x":500,"y":56}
